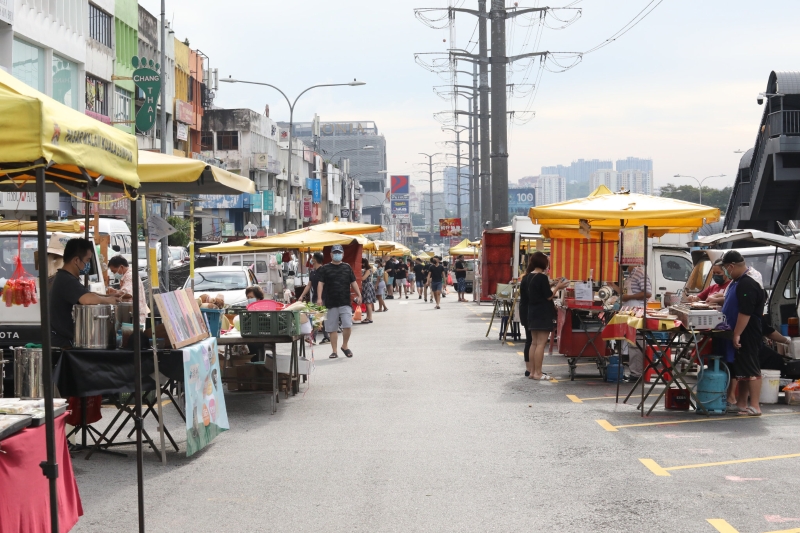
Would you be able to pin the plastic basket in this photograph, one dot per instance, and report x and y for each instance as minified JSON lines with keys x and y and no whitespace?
{"x":269,"y":323}
{"x":214,"y":320}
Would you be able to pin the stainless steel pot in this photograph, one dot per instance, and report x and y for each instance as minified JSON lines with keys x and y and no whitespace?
{"x":124,"y":313}
{"x":95,"y":327}
{"x":28,"y":373}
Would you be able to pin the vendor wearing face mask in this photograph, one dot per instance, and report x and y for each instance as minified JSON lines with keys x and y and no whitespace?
{"x":254,"y":294}
{"x":714,"y":293}
{"x":68,"y":290}
{"x":123,"y":274}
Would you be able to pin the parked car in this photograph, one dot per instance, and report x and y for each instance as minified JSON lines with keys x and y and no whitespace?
{"x":178,"y":256}
{"x":229,"y":281}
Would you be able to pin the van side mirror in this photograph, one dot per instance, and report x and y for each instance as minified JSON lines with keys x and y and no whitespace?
{"x":116,"y":248}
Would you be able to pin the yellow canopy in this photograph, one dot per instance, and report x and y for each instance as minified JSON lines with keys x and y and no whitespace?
{"x":162,"y":173}
{"x":380,"y":246}
{"x":37,"y":131}
{"x":464,"y":248}
{"x":70,"y":226}
{"x":605,"y":212}
{"x":423,"y":256}
{"x":344,"y":227}
{"x":399,"y":250}
{"x":476,"y":244}
{"x":233,"y":247}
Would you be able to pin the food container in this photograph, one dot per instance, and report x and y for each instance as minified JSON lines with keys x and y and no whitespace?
{"x":28,"y":373}
{"x":792,"y":397}
{"x":95,"y":327}
{"x":124,"y":313}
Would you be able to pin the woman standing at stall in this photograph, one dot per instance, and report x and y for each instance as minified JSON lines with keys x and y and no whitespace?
{"x":380,"y":286}
{"x":367,"y":289}
{"x":540,"y":311}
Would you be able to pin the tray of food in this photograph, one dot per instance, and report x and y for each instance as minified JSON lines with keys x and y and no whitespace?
{"x":38,"y":415}
{"x":10,"y":424}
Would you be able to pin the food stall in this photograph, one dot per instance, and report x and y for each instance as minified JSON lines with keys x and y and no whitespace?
{"x":585,"y":232}
{"x":45,"y":145}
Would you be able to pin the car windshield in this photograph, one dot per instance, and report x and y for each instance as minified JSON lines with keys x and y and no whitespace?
{"x":219,"y":281}
{"x":176,"y":254}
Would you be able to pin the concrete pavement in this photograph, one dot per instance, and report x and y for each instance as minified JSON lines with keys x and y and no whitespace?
{"x":432,"y":427}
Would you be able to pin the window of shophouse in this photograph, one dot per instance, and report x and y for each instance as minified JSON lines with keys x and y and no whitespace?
{"x":227,"y":140}
{"x":190,"y":90}
{"x":122,"y":105}
{"x":372,"y":186}
{"x":99,"y":25}
{"x":65,"y":81}
{"x":28,"y":65}
{"x":207,"y":141}
{"x":96,"y":95}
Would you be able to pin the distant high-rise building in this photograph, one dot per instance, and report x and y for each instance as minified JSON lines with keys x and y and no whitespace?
{"x":634,"y":163}
{"x":638,"y":181}
{"x":606,"y":176}
{"x":578,"y":171}
{"x":528,"y":182}
{"x":451,"y":190}
{"x":550,"y":189}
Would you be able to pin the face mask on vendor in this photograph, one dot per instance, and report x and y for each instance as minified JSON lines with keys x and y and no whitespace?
{"x":84,"y":266}
{"x":251,"y":301}
{"x":719,"y":279}
{"x":337,"y":256}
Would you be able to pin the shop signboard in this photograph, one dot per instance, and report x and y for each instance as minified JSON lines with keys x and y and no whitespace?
{"x":183,"y":132}
{"x":206,"y":414}
{"x":7,"y":11}
{"x":221,"y":201}
{"x":399,"y":185}
{"x":450,"y":227}
{"x":345,"y":213}
{"x":633,"y":245}
{"x":307,"y":210}
{"x":228,"y":229}
{"x":256,"y":202}
{"x":26,"y":201}
{"x":400,"y":207}
{"x":268,"y":201}
{"x":147,"y":79}
{"x":111,"y":204}
{"x":315,"y":186}
{"x":184,"y":112}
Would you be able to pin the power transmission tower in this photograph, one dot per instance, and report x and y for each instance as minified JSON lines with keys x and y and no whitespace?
{"x":430,"y":181}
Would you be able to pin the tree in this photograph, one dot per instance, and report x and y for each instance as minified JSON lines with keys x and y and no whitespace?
{"x":711,"y":197}
{"x":181,"y":236}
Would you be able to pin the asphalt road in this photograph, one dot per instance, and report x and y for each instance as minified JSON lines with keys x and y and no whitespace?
{"x":432,"y":427}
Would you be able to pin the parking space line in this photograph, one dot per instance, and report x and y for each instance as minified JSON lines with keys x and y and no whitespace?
{"x":575,"y":399}
{"x":693,"y":421}
{"x":664,"y":471}
{"x":521,"y":353}
{"x":722,"y":526}
{"x":605,"y":424}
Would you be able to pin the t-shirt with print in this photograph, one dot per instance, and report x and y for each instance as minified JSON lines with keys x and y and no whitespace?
{"x":437,"y":273}
{"x":337,"y":280}
{"x":65,"y":292}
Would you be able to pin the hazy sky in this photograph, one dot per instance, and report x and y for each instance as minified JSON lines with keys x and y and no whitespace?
{"x":680,"y":87}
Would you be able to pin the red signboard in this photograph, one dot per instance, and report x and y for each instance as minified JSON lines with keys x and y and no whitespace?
{"x":184,"y":112}
{"x":450,"y":227}
{"x":307,"y":207}
{"x":399,"y":184}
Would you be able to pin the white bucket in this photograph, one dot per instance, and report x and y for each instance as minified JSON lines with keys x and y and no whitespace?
{"x":771,"y":380}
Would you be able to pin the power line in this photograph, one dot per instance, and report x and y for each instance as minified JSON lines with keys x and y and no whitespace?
{"x":627,"y":27}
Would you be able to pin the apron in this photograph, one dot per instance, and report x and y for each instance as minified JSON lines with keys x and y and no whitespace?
{"x":730,"y":309}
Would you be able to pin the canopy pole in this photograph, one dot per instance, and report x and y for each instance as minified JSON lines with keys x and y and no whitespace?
{"x":86,"y":208}
{"x":191,"y":243}
{"x":137,"y":364}
{"x":49,"y":467}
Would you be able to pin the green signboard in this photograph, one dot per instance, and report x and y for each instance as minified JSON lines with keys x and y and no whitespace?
{"x":268,"y":205}
{"x":147,"y":78}
{"x":255,"y":202}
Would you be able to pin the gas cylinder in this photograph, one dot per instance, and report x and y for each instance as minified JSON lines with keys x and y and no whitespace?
{"x":712,"y":386}
{"x":614,"y":371}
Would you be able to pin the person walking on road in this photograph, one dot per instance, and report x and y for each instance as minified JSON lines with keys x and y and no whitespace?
{"x":380,"y":286}
{"x":420,"y":275}
{"x":411,"y":277}
{"x":461,"y":278}
{"x":339,"y":279}
{"x":390,"y":278}
{"x":317,"y":261}
{"x":400,"y":273}
{"x":436,"y":276}
{"x":540,"y":311}
{"x":367,"y":288}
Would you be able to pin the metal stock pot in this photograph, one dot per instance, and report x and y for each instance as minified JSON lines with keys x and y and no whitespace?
{"x":95,"y":327}
{"x":28,"y":373}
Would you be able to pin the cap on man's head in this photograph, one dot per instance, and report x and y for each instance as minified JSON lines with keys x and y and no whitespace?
{"x":337,"y":248}
{"x":732,"y":256}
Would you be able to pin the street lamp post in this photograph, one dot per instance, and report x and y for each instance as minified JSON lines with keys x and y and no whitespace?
{"x":291,"y":115}
{"x":699,"y":182}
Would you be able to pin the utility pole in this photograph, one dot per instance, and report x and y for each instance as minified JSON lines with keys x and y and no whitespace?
{"x":474,"y":212}
{"x":483,"y":88}
{"x":165,"y":256}
{"x":499,"y":129}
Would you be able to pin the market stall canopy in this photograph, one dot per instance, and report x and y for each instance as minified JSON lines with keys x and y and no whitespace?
{"x":606,"y":212}
{"x":69,"y":226}
{"x":464,"y":248}
{"x":39,"y":132}
{"x":423,"y":256}
{"x":233,"y":247}
{"x":379,"y":246}
{"x":162,"y":173}
{"x":399,"y":250}
{"x":344,"y":227}
{"x":476,"y":244}
{"x":302,"y":239}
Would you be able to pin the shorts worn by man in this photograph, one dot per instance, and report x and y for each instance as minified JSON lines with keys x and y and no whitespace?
{"x":337,"y":279}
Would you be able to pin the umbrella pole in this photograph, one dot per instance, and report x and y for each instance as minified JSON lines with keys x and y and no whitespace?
{"x":191,"y":243}
{"x":137,"y":364}
{"x":86,"y":207}
{"x":49,"y":467}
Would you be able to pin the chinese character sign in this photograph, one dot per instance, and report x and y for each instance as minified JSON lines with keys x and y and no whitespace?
{"x":450,"y":227}
{"x":268,"y":201}
{"x":315,"y":186}
{"x":633,"y":245}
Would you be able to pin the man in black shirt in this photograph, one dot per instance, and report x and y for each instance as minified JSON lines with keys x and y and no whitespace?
{"x":419,"y":275}
{"x":400,"y":272}
{"x":746,"y":331}
{"x":461,"y":278}
{"x":67,"y":291}
{"x":337,"y":278}
{"x":313,"y":280}
{"x":436,"y":275}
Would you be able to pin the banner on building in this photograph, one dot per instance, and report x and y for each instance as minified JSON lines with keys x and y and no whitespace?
{"x":183,"y":132}
{"x":183,"y":112}
{"x":147,"y":79}
{"x":268,"y":201}
{"x":520,"y":201}
{"x":307,"y":210}
{"x":256,"y":202}
{"x":221,"y":201}
{"x":315,"y":186}
{"x":400,"y":185}
{"x":450,"y":227}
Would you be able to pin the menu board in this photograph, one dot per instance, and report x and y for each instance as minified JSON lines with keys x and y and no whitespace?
{"x":181,"y":317}
{"x":633,"y":245}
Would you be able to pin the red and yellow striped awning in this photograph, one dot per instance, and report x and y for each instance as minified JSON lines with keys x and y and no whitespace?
{"x":573,"y":258}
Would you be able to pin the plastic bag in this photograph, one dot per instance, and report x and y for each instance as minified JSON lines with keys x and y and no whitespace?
{"x":21,"y":288}
{"x":795,"y":385}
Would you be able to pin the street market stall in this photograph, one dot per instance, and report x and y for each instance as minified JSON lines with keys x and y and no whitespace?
{"x":52,"y":147}
{"x":582,"y":232}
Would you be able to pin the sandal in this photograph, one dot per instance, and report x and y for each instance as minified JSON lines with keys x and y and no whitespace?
{"x":347,"y":352}
{"x":545,"y":377}
{"x":732,"y":408}
{"x":749,"y":412}
{"x":333,"y":356}
{"x":366,"y":321}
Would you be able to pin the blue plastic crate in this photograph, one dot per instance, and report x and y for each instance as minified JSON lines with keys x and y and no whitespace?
{"x":213,"y":320}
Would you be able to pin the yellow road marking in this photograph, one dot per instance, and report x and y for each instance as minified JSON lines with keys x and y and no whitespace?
{"x":574,"y":398}
{"x":581,"y":400}
{"x":695,"y":421}
{"x":521,"y":353}
{"x":605,"y":424}
{"x":655,"y":468}
{"x":510,"y":343}
{"x":721,"y":525}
